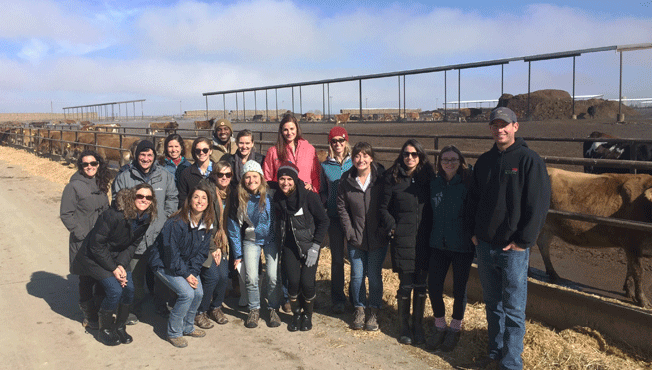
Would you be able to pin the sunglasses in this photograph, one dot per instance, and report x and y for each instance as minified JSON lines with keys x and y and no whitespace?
{"x":200,"y":151}
{"x":451,"y":160}
{"x":410,"y":154}
{"x":222,"y":174}
{"x":86,"y":164}
{"x":338,"y":141}
{"x":148,"y":197}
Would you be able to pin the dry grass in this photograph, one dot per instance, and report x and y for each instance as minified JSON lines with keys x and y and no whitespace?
{"x":545,"y":348}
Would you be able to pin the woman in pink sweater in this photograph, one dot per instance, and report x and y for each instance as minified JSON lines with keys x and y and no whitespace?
{"x":291,"y":147}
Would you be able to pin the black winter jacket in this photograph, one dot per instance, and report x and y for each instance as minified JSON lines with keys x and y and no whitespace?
{"x":405,"y":208}
{"x":308,"y":225}
{"x":358,"y":210}
{"x":510,"y":194}
{"x":188,"y":179}
{"x":111,"y":242}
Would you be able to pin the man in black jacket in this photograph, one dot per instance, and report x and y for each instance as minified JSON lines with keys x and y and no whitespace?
{"x":511,"y":195}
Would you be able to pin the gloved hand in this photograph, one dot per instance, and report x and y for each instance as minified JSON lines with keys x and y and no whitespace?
{"x":313,"y":254}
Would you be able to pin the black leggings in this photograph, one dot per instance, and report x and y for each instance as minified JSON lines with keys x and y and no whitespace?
{"x":440,"y":260}
{"x":409,"y":281}
{"x":300,"y":278}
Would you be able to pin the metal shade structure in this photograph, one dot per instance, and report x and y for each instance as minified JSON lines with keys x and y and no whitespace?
{"x":96,"y":109}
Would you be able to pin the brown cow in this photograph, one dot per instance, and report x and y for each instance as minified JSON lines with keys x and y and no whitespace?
{"x":106,"y":127}
{"x":204,"y":125}
{"x":169,"y":127}
{"x":107,"y":140}
{"x":624,"y":196}
{"x":413,"y":116}
{"x":342,"y":118}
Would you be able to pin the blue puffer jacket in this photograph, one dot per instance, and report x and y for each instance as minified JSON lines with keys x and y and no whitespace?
{"x":180,"y":248}
{"x":263,"y":222}
{"x":330,"y":179}
{"x":173,"y":168}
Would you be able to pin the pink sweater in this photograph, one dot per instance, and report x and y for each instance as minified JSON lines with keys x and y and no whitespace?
{"x":305,"y":158}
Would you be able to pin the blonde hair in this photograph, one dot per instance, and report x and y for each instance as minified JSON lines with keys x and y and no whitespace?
{"x":347,"y":151}
{"x":243,"y":194}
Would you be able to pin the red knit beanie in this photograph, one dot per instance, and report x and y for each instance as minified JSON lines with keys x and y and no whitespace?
{"x":338,"y":131}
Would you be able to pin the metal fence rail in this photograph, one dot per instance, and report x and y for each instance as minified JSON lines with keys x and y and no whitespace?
{"x":637,"y":165}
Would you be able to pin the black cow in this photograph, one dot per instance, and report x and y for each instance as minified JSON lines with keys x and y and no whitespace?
{"x":622,"y":151}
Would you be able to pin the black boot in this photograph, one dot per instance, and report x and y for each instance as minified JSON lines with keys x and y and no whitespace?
{"x":404,"y":319}
{"x":419,"y":306}
{"x":295,"y":306}
{"x":306,"y":320}
{"x":107,"y":334}
{"x":91,"y":321}
{"x":121,"y":322}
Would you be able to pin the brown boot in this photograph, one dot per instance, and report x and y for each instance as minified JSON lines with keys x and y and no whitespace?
{"x":202,"y":321}
{"x":218,"y":316}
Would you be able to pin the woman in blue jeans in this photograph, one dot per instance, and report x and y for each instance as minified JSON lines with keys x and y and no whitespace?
{"x":450,"y":243}
{"x":177,"y":257}
{"x":215,"y":271}
{"x":251,"y":230}
{"x":357,"y":205}
{"x":105,"y":255}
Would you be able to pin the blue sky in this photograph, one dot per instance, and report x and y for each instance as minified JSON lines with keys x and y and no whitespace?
{"x":68,"y":53}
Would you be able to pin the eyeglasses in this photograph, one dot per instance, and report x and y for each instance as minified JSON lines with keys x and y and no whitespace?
{"x":148,"y":197}
{"x":451,"y":160}
{"x":338,"y":141}
{"x":86,"y":164}
{"x":222,"y":174}
{"x":200,"y":151}
{"x":410,"y":154}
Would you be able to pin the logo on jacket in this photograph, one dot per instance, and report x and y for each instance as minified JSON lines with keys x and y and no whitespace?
{"x":513,"y":171}
{"x":437,"y":199}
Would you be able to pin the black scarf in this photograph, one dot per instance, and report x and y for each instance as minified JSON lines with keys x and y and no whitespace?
{"x":292,"y":203}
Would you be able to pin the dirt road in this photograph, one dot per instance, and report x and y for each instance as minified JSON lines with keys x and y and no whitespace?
{"x":41,"y":322}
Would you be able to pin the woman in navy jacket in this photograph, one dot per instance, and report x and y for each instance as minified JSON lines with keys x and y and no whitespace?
{"x":181,"y":249}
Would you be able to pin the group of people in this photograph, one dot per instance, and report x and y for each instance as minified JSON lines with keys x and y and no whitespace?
{"x":196,"y":225}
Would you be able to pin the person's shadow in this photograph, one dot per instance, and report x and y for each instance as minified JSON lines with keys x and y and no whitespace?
{"x":59,"y":292}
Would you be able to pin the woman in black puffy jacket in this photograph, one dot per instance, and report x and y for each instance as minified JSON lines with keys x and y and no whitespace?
{"x":301,"y":224}
{"x":106,"y":252}
{"x":406,"y":215}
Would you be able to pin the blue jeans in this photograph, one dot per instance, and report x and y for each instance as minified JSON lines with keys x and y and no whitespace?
{"x":182,"y":316}
{"x":367,"y":264}
{"x":251,"y":252}
{"x":117,"y":294}
{"x":214,"y":279}
{"x":503,"y":275}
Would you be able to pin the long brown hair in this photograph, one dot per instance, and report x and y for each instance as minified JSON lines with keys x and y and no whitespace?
{"x":103,"y":176}
{"x":208,"y":216}
{"x":463,"y":170}
{"x":126,"y":202}
{"x":281,"y":145}
{"x":399,"y":162}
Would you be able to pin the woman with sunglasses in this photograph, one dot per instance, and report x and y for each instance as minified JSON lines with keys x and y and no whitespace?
{"x":202,"y":148}
{"x":405,"y":213}
{"x":450,"y":243}
{"x":174,"y":156}
{"x":338,"y":162}
{"x":215,"y":271}
{"x":292,"y":147}
{"x":83,"y":200}
{"x":106,"y":253}
{"x":177,"y":257}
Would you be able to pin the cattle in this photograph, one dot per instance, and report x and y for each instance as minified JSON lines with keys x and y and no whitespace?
{"x":622,"y":151}
{"x":257,"y":118}
{"x":388,"y":117}
{"x":591,"y":111}
{"x":168,"y":127}
{"x":86,"y":140}
{"x":54,"y":142}
{"x":342,"y":118}
{"x":322,"y":155}
{"x":107,"y":127}
{"x":437,"y":116}
{"x":204,"y":125}
{"x":623,"y":196}
{"x":39,"y":124}
{"x":67,"y":122}
{"x":311,"y":117}
{"x":414,"y":116}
